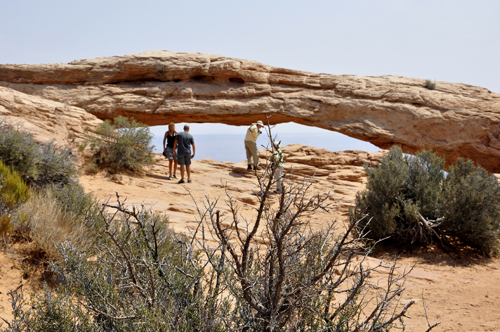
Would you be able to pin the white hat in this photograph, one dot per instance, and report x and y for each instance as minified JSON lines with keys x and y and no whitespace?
{"x":260,"y":123}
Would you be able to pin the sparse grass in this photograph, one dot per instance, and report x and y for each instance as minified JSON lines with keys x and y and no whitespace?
{"x":47,"y":219}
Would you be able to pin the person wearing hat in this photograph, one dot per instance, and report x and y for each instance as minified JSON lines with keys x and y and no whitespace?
{"x":251,"y":145}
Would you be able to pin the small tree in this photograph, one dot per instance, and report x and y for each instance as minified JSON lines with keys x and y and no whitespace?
{"x":285,"y":276}
{"x":122,"y":145}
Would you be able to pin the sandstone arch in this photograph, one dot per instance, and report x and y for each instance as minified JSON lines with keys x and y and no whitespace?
{"x":456,"y":120}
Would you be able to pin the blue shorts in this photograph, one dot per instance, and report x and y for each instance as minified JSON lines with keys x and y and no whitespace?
{"x":184,"y":159}
{"x":169,"y":153}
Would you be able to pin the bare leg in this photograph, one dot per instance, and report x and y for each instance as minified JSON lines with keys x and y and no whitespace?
{"x":182,"y":172}
{"x":175,"y":166}
{"x":188,"y":169}
{"x":170,"y":161}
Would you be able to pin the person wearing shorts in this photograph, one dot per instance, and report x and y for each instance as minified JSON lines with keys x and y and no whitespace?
{"x":168,"y":150}
{"x":182,"y":149}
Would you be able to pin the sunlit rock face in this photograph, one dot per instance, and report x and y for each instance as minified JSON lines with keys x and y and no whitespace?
{"x":455,"y":120}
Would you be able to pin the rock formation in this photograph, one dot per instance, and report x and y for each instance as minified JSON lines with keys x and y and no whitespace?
{"x":455,"y":120}
{"x":46,"y":119}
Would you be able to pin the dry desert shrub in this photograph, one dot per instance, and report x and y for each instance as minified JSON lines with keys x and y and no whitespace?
{"x":49,"y":217}
{"x":139,"y":276}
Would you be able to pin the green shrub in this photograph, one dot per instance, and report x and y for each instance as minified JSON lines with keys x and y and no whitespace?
{"x":73,"y":199}
{"x":57,"y":165}
{"x":430,"y":84}
{"x":19,"y":151}
{"x":382,"y":200}
{"x":13,"y":189}
{"x":5,"y":224}
{"x":124,"y":145}
{"x":472,"y":205}
{"x":38,"y":164}
{"x":412,"y":201}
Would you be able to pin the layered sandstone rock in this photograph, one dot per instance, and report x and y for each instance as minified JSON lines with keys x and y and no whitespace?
{"x":456,"y":120}
{"x":46,"y":119}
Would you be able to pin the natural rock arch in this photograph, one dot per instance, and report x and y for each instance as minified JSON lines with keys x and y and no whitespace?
{"x":455,"y":120}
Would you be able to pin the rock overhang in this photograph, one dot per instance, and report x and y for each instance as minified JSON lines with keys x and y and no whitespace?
{"x":158,"y":87}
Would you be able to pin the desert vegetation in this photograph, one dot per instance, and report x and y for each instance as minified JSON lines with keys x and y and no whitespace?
{"x":120,"y":268}
{"x":114,"y":267}
{"x":415,"y":201}
{"x":38,"y":164}
{"x":430,"y":84}
{"x":121,"y":145}
{"x":39,"y":190}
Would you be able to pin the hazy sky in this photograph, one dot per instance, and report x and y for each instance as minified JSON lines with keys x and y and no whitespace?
{"x":445,"y":40}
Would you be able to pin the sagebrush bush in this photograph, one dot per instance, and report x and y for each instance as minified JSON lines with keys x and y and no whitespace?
{"x":471,"y":208}
{"x":57,"y":166}
{"x":39,"y":164}
{"x":121,"y":145}
{"x":412,"y":200}
{"x":50,"y":311}
{"x":19,"y":151}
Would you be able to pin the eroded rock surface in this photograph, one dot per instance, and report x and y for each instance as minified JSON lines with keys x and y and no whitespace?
{"x":47,"y":120}
{"x":456,"y":120}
